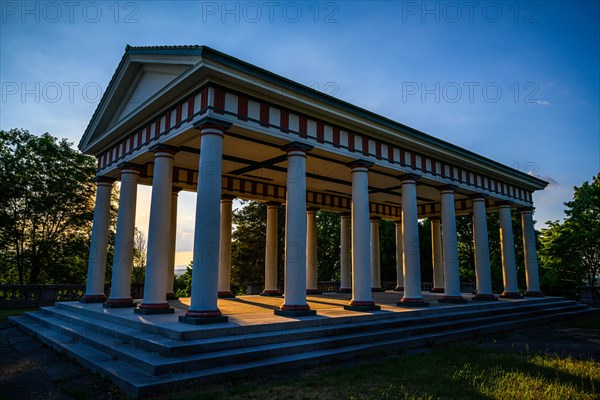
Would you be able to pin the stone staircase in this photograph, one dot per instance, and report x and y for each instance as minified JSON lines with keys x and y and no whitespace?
{"x":158,"y":354}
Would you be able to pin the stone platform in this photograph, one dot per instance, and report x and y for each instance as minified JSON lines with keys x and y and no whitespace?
{"x":144,"y":355}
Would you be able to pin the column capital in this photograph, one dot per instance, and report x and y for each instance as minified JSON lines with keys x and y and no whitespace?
{"x":345,"y":214}
{"x":129,"y":167}
{"x":176,"y":189}
{"x":447,"y":188}
{"x":163,"y":148}
{"x":297,"y":146}
{"x":408,"y":177}
{"x":435,"y":218}
{"x":374,"y":218}
{"x":398,"y":222}
{"x":527,"y":209}
{"x":312,"y":210}
{"x":104,"y":180}
{"x":360,"y":164}
{"x":504,"y":203}
{"x":273,"y":204}
{"x":212,"y":123}
{"x":478,"y":196}
{"x":227,"y":197}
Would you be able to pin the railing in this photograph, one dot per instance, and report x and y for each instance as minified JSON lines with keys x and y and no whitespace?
{"x":29,"y":296}
{"x":333,"y":286}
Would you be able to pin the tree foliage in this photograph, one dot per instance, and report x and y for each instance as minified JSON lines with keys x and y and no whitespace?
{"x":46,"y":209}
{"x":570,"y":252}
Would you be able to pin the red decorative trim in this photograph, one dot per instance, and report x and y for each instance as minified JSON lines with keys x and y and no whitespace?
{"x":303,"y":126}
{"x":120,"y":301}
{"x":157,"y":128}
{"x":178,"y":111}
{"x":390,"y":153}
{"x":264,"y":114}
{"x":320,"y":132}
{"x":190,"y":107}
{"x":402,"y":157}
{"x":284,"y":121}
{"x":94,"y":297}
{"x":378,"y":150}
{"x":336,"y":137}
{"x":356,"y":303}
{"x":204,"y":98}
{"x":413,"y":159}
{"x":351,"y":146}
{"x":219,"y":100}
{"x":242,"y":108}
{"x":365,"y":145}
{"x":411,"y":300}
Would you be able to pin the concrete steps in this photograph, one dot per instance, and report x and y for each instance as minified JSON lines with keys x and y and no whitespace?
{"x":144,"y":361}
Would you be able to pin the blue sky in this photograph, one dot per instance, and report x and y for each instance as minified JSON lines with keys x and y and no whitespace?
{"x":518,"y":82}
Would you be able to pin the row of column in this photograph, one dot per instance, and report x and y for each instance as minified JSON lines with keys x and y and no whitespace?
{"x":213,"y":236}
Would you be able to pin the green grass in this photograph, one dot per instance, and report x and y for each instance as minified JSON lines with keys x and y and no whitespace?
{"x":460,"y":372}
{"x":11,"y":312}
{"x":584,"y":323}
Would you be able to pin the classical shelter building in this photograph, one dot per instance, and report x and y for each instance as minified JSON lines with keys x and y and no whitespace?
{"x":194,"y":119}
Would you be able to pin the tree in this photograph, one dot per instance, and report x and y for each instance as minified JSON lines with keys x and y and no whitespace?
{"x":46,"y":208}
{"x":138,"y":272}
{"x":328,"y":246}
{"x":571,"y":251}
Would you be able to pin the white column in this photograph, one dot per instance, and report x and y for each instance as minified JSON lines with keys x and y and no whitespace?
{"x":507,"y":247}
{"x":172,"y":245}
{"x":120,"y":288}
{"x":159,"y":232}
{"x":311,"y":252}
{"x":362,"y":299}
{"x":437,"y":256}
{"x":271,"y":251}
{"x":450,"y":248}
{"x":410,"y":238}
{"x":483,"y":275}
{"x":224,"y":286}
{"x":94,"y":291}
{"x":205,"y":270}
{"x":399,"y":261}
{"x":531,"y":263}
{"x":375,"y":256}
{"x":345,"y":255}
{"x":295,"y":233}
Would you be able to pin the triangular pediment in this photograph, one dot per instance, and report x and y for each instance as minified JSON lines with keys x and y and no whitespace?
{"x":140,"y":76}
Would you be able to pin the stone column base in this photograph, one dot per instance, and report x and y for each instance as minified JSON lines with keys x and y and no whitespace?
{"x":437,"y":290}
{"x":225,"y":295}
{"x":453,"y":300}
{"x":510,"y":295}
{"x":484,"y":297}
{"x":408,"y":302}
{"x":93,"y":298}
{"x":377,"y":289}
{"x":534,"y":294}
{"x":154,"y":311}
{"x":399,"y":289}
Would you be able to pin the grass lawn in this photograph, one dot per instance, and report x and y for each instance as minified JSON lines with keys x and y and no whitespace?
{"x":11,"y":312}
{"x":459,"y":372}
{"x":584,"y":323}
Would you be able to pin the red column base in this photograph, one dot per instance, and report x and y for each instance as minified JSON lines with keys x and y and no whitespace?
{"x":437,"y":290}
{"x":271,"y":293}
{"x":344,"y":290}
{"x":93,"y":298}
{"x":362,"y":306}
{"x":172,"y":296}
{"x":452,"y":300}
{"x":119,"y":303}
{"x":484,"y":297}
{"x":377,"y":289}
{"x":291,"y":310}
{"x":225,"y":295}
{"x":510,"y":295}
{"x":399,"y":289}
{"x":534,"y":294}
{"x":203,"y":317}
{"x":154,"y":308}
{"x":412,"y":302}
